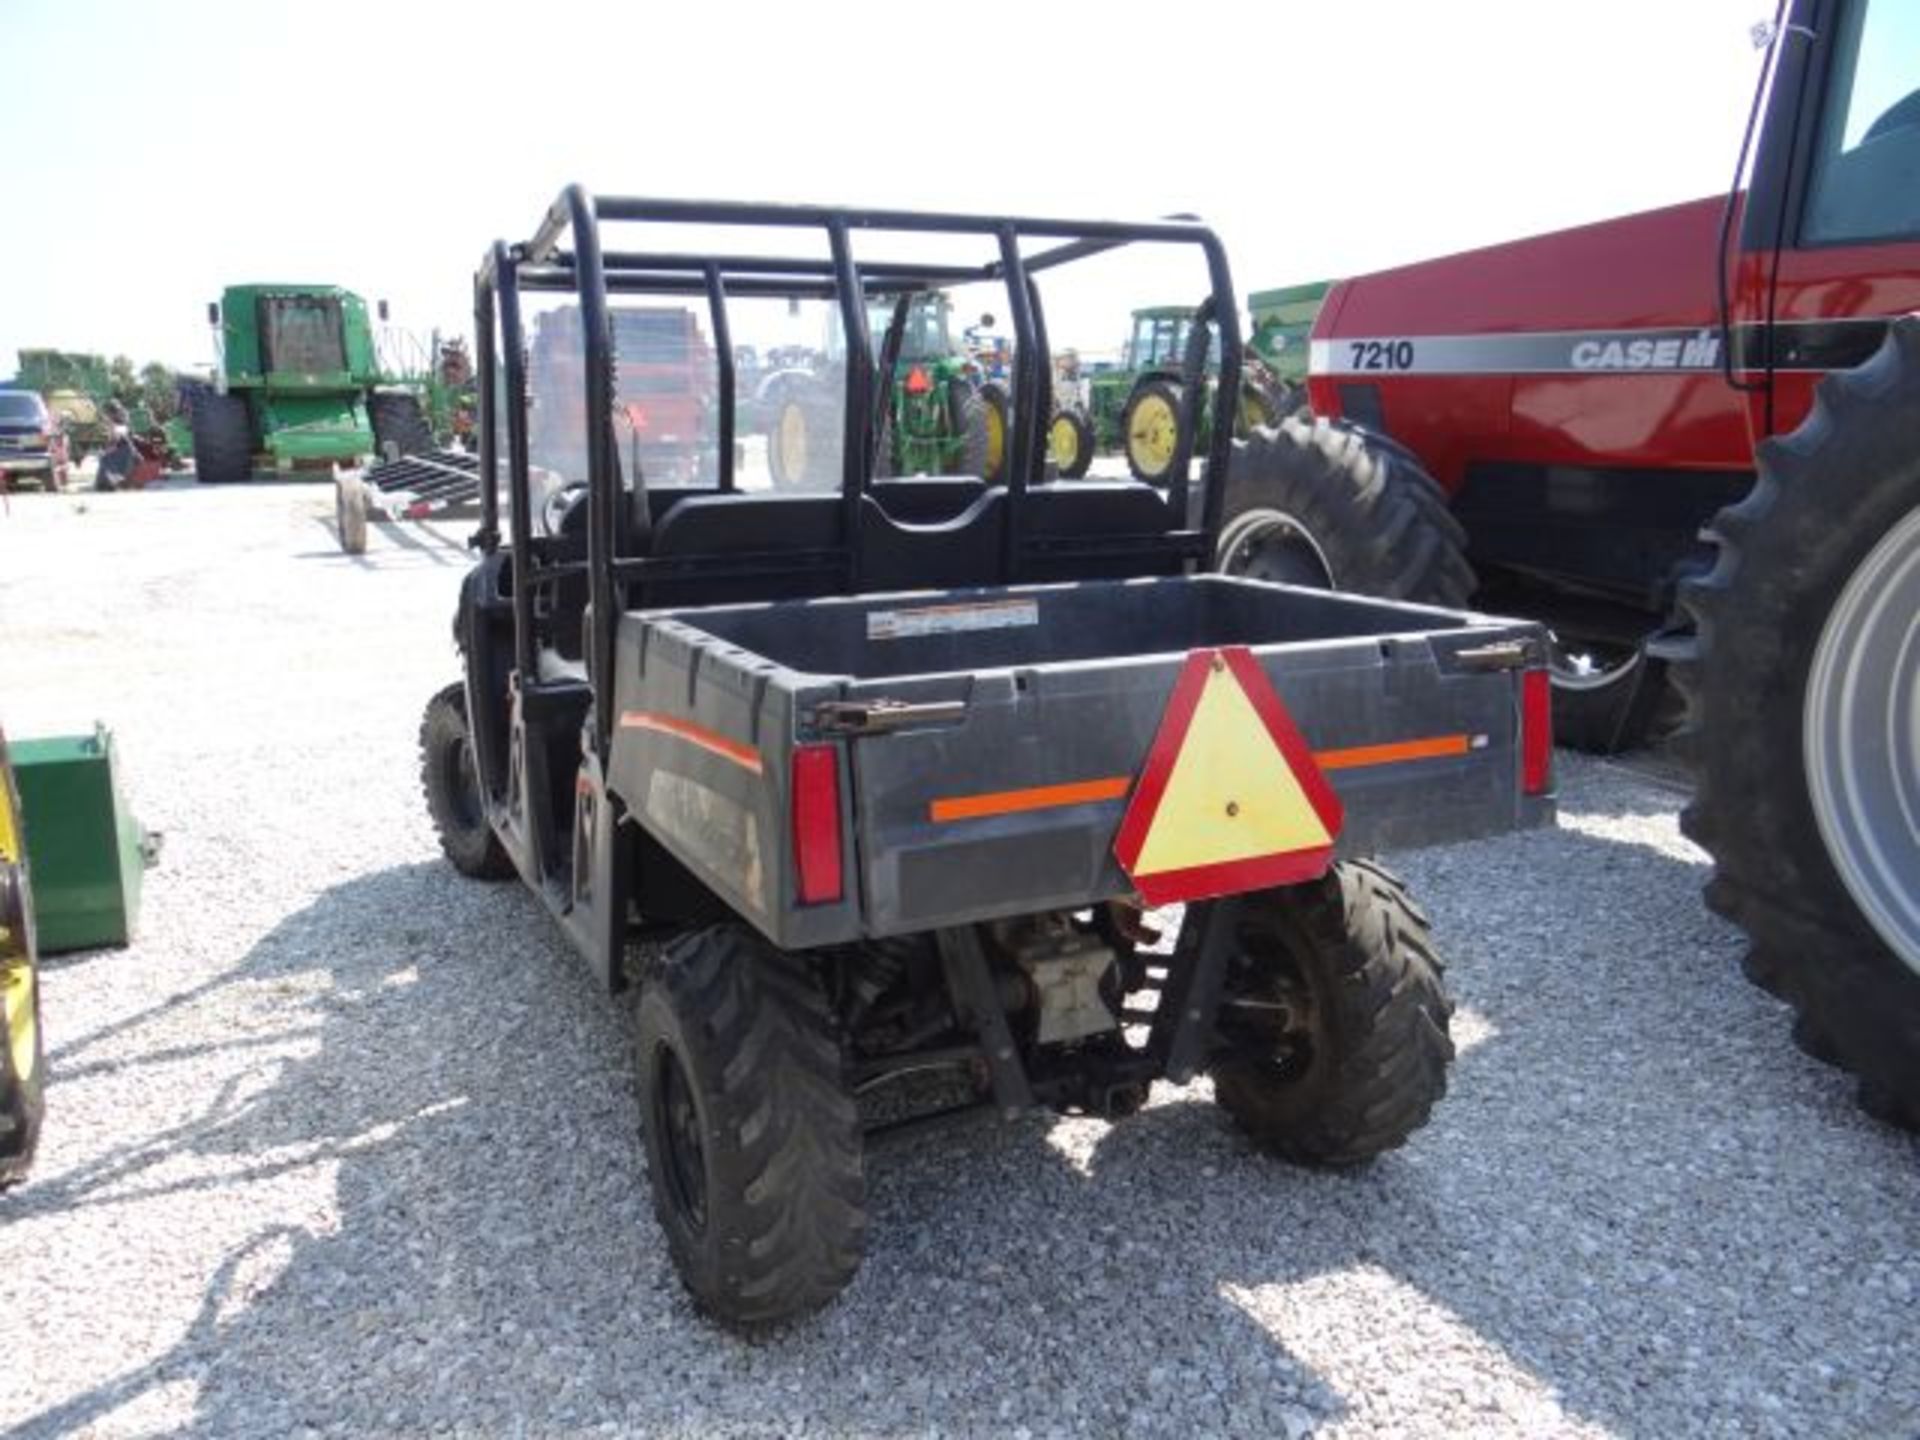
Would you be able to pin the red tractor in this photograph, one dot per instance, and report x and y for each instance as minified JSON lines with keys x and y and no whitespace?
{"x":1643,"y":440}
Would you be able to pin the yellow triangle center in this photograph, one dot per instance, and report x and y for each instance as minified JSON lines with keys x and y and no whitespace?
{"x":1232,"y":795}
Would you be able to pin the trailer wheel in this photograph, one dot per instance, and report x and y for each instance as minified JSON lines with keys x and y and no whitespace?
{"x":398,"y":420}
{"x":1153,"y":431}
{"x":350,"y":513}
{"x":1801,"y":722}
{"x":451,"y":779}
{"x":752,"y":1135}
{"x":1070,"y":442}
{"x":222,"y":438}
{"x":1334,"y":1022}
{"x":1330,"y":505}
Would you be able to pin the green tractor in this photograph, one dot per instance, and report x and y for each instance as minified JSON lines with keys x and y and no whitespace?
{"x":300,"y":383}
{"x":943,"y":418}
{"x":1138,"y":408}
{"x":938,"y":421}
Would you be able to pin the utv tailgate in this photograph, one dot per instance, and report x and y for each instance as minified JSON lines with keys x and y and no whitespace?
{"x":986,"y":744}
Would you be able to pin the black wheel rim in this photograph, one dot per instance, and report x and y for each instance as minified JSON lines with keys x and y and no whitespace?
{"x":1274,"y":546}
{"x":676,"y":1121}
{"x":1272,"y":1015}
{"x":463,"y":783}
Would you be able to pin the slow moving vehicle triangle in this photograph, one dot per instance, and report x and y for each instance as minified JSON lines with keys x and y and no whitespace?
{"x":1230,"y":798}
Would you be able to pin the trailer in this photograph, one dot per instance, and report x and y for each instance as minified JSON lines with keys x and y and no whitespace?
{"x":443,"y":482}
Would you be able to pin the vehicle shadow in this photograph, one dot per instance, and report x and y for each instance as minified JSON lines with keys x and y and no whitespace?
{"x":1606,"y":1223}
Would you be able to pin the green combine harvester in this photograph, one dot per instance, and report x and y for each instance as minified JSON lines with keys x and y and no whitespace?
{"x":300,"y":385}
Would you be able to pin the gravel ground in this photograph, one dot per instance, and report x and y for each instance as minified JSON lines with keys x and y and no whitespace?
{"x":346,"y":1144}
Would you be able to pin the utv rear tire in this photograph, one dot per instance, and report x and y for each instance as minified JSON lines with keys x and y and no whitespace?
{"x":222,"y":438}
{"x":1331,"y":505}
{"x":1803,"y":761}
{"x":1358,"y":1058}
{"x":397,"y":419}
{"x":449,"y":776}
{"x":752,"y":1135}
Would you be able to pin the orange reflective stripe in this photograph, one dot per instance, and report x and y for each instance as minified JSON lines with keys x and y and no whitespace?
{"x":1037,"y":797}
{"x":1082,"y":792}
{"x":1358,"y":756}
{"x":745,"y":756}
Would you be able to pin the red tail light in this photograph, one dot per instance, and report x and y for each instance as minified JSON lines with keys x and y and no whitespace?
{"x":816,"y":822}
{"x":1536,"y":732}
{"x":917,"y":381}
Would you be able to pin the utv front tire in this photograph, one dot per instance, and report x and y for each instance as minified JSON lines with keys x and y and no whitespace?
{"x":222,"y":438}
{"x":752,"y":1135}
{"x":450,"y":776}
{"x":1330,"y":505}
{"x":1800,"y":724}
{"x":1335,"y":1019}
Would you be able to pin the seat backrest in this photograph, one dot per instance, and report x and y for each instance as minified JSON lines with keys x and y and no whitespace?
{"x":1077,"y":508}
{"x":963,"y":549}
{"x":723,"y":526}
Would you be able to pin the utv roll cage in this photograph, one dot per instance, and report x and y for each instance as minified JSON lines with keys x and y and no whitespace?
{"x":1108,"y":531}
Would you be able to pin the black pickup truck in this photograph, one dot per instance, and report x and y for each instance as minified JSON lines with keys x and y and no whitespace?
{"x":888,"y":780}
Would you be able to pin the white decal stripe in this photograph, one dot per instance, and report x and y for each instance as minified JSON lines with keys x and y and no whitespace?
{"x":1565,"y":352}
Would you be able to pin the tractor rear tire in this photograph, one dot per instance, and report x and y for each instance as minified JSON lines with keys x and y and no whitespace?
{"x":451,"y":779}
{"x":1154,"y":431}
{"x":1070,"y":443}
{"x":1800,"y":725}
{"x":222,"y":438}
{"x":800,"y":455}
{"x":398,"y":420}
{"x":1355,"y":1056}
{"x":996,"y":433}
{"x":1332,"y":506}
{"x":752,"y":1135}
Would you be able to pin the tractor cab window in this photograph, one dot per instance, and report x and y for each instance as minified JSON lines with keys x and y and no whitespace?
{"x":1865,"y":180}
{"x":303,"y":334}
{"x":928,"y":333}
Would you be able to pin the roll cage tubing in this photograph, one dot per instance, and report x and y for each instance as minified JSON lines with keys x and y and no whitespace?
{"x":591,"y":273}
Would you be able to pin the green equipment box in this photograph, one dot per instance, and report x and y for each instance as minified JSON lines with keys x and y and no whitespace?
{"x":86,"y":851}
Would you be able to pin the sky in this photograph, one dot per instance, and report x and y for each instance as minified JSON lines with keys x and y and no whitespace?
{"x":154,"y":153}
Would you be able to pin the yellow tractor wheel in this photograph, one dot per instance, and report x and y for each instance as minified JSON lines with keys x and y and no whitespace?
{"x":1153,"y":431}
{"x":21,"y":1058}
{"x":1070,"y":443}
{"x":788,"y":445}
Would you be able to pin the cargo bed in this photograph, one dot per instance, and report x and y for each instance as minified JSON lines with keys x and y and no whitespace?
{"x":986,"y":741}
